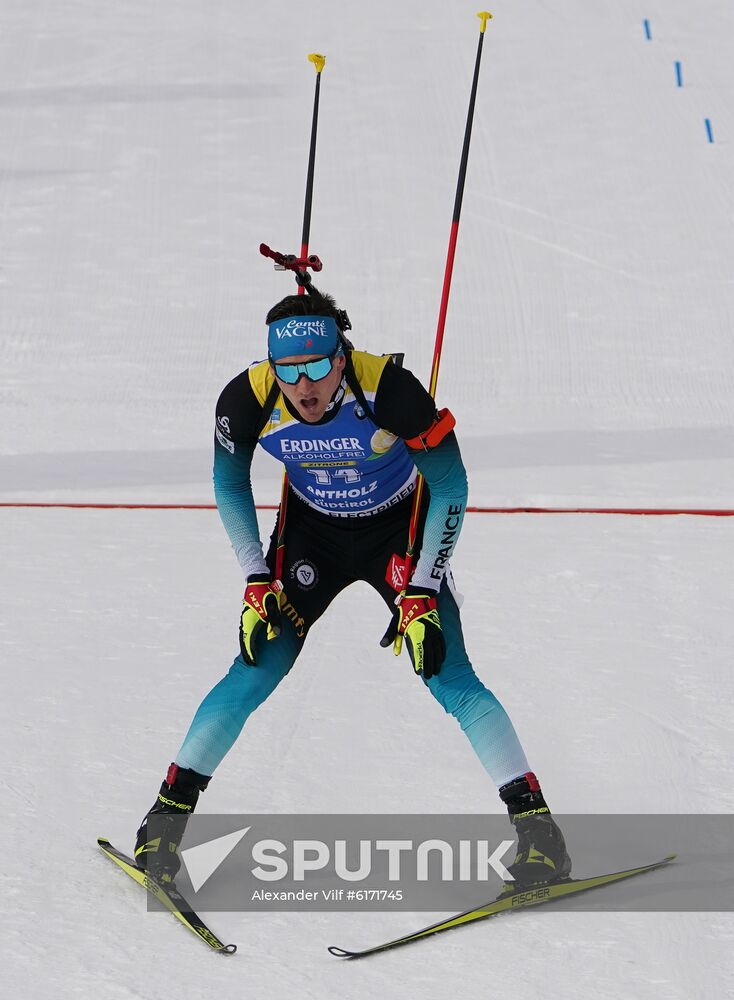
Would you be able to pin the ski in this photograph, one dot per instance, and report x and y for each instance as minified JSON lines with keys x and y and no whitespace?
{"x":507,"y":902}
{"x":170,"y":897}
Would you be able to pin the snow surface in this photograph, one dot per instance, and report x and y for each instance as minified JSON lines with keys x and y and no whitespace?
{"x":147,"y":150}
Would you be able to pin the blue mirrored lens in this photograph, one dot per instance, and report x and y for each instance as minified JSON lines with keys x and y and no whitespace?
{"x":313,"y":370}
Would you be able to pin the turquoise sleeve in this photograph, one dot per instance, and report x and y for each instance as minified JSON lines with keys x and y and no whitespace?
{"x":236,"y":504}
{"x":445,"y":476}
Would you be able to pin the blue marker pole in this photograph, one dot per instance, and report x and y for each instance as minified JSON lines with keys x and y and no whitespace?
{"x":646,"y":26}
{"x":709,"y":130}
{"x":678,"y":74}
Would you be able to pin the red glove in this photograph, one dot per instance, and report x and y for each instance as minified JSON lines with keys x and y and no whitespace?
{"x":260,"y":606}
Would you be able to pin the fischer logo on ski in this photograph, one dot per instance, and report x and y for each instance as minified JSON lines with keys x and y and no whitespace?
{"x":507,"y":902}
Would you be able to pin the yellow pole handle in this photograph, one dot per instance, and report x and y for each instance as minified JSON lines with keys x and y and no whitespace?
{"x":397,"y":643}
{"x":320,"y":61}
{"x":485,"y":16}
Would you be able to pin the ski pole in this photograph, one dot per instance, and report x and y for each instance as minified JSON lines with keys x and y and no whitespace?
{"x":319,"y":62}
{"x":484,"y":16}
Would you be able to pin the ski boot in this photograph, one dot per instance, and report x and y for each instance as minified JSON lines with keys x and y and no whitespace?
{"x":541,"y":850}
{"x":175,"y":803}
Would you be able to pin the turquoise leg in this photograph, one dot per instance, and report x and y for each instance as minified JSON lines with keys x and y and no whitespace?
{"x":222,"y":714}
{"x":481,"y":716}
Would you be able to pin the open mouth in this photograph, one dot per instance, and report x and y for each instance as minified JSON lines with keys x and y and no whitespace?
{"x":309,"y":404}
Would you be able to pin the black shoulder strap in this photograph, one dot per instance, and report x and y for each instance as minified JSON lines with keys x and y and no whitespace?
{"x":267,"y":409}
{"x":353,"y":382}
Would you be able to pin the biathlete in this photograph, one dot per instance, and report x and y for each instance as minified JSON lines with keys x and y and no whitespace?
{"x":353,"y":431}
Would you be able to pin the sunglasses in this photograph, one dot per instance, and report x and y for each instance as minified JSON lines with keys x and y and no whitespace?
{"x":313,"y":370}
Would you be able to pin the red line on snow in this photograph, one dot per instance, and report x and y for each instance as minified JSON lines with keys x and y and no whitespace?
{"x":650,"y":511}
{"x":128,"y":506}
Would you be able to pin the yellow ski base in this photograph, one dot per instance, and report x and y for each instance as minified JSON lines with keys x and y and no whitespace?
{"x":508,"y":902}
{"x":171,"y":898}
